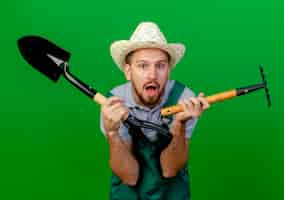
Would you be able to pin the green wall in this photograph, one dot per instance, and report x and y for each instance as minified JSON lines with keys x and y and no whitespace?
{"x":50,"y":143}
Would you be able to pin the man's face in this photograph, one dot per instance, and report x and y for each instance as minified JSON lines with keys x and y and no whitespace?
{"x":148,"y":70}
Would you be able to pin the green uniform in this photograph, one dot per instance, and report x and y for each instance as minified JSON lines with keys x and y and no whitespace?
{"x":151,"y":184}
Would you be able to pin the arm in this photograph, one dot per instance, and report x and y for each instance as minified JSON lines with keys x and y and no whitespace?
{"x":122,"y":161}
{"x":175,"y":156}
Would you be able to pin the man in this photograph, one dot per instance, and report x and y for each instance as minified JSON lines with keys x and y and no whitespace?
{"x":142,"y":170}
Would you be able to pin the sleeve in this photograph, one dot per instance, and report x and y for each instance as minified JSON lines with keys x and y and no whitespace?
{"x":190,"y":124}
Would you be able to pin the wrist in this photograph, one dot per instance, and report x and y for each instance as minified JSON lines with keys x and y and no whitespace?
{"x":112,"y":134}
{"x":178,"y":127}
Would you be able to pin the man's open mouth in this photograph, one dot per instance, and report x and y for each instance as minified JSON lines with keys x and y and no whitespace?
{"x":151,"y":89}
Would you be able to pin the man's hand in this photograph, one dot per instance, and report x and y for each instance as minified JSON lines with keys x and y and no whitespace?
{"x":192,"y":107}
{"x":113,"y":113}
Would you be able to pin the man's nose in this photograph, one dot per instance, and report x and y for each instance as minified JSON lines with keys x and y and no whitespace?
{"x":152,"y":73}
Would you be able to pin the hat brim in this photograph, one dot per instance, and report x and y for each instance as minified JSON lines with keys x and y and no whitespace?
{"x":120,"y":49}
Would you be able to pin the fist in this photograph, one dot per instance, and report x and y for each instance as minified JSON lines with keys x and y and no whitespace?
{"x":113,"y":113}
{"x":192,"y":107}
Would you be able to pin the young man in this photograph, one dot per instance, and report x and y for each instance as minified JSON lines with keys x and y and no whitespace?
{"x":142,"y":170}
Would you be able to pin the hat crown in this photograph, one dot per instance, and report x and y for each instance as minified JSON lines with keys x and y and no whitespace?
{"x":148,"y":32}
{"x":146,"y":35}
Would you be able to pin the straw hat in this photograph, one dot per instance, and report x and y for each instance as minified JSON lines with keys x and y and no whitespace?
{"x":146,"y":35}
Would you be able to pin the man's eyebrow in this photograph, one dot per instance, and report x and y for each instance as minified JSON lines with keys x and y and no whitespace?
{"x":163,"y":60}
{"x":141,"y":60}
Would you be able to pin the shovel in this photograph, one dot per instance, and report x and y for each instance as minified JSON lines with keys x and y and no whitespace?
{"x":52,"y":61}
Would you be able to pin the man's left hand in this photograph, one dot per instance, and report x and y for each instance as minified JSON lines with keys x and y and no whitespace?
{"x":193,"y":107}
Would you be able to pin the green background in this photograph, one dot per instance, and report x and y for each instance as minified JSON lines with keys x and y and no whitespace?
{"x":50,"y":143}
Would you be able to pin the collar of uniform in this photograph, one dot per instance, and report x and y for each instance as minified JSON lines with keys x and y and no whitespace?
{"x":132,"y":104}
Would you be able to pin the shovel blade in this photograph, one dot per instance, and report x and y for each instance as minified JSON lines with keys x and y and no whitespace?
{"x":35,"y":51}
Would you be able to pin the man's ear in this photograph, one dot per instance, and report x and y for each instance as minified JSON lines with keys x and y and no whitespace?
{"x":127,"y":72}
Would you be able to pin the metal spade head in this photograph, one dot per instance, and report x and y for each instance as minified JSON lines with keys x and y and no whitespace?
{"x":265,"y":86}
{"x":38,"y":52}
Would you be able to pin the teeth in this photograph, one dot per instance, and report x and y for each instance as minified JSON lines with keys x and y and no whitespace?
{"x":151,"y":87}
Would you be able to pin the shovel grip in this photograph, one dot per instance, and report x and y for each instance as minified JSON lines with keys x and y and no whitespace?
{"x":210,"y":99}
{"x":99,"y":98}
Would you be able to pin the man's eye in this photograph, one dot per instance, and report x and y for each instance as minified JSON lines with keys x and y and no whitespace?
{"x":142,"y":66}
{"x":161,"y":65}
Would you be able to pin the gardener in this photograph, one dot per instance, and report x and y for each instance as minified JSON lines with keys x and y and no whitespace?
{"x":141,"y":168}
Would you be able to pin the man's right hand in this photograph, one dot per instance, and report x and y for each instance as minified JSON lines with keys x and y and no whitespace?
{"x":113,"y":113}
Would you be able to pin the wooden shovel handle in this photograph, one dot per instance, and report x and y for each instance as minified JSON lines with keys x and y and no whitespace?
{"x":99,"y":98}
{"x":211,"y":99}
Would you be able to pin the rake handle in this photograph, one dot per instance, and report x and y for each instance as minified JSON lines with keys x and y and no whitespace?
{"x":211,"y":99}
